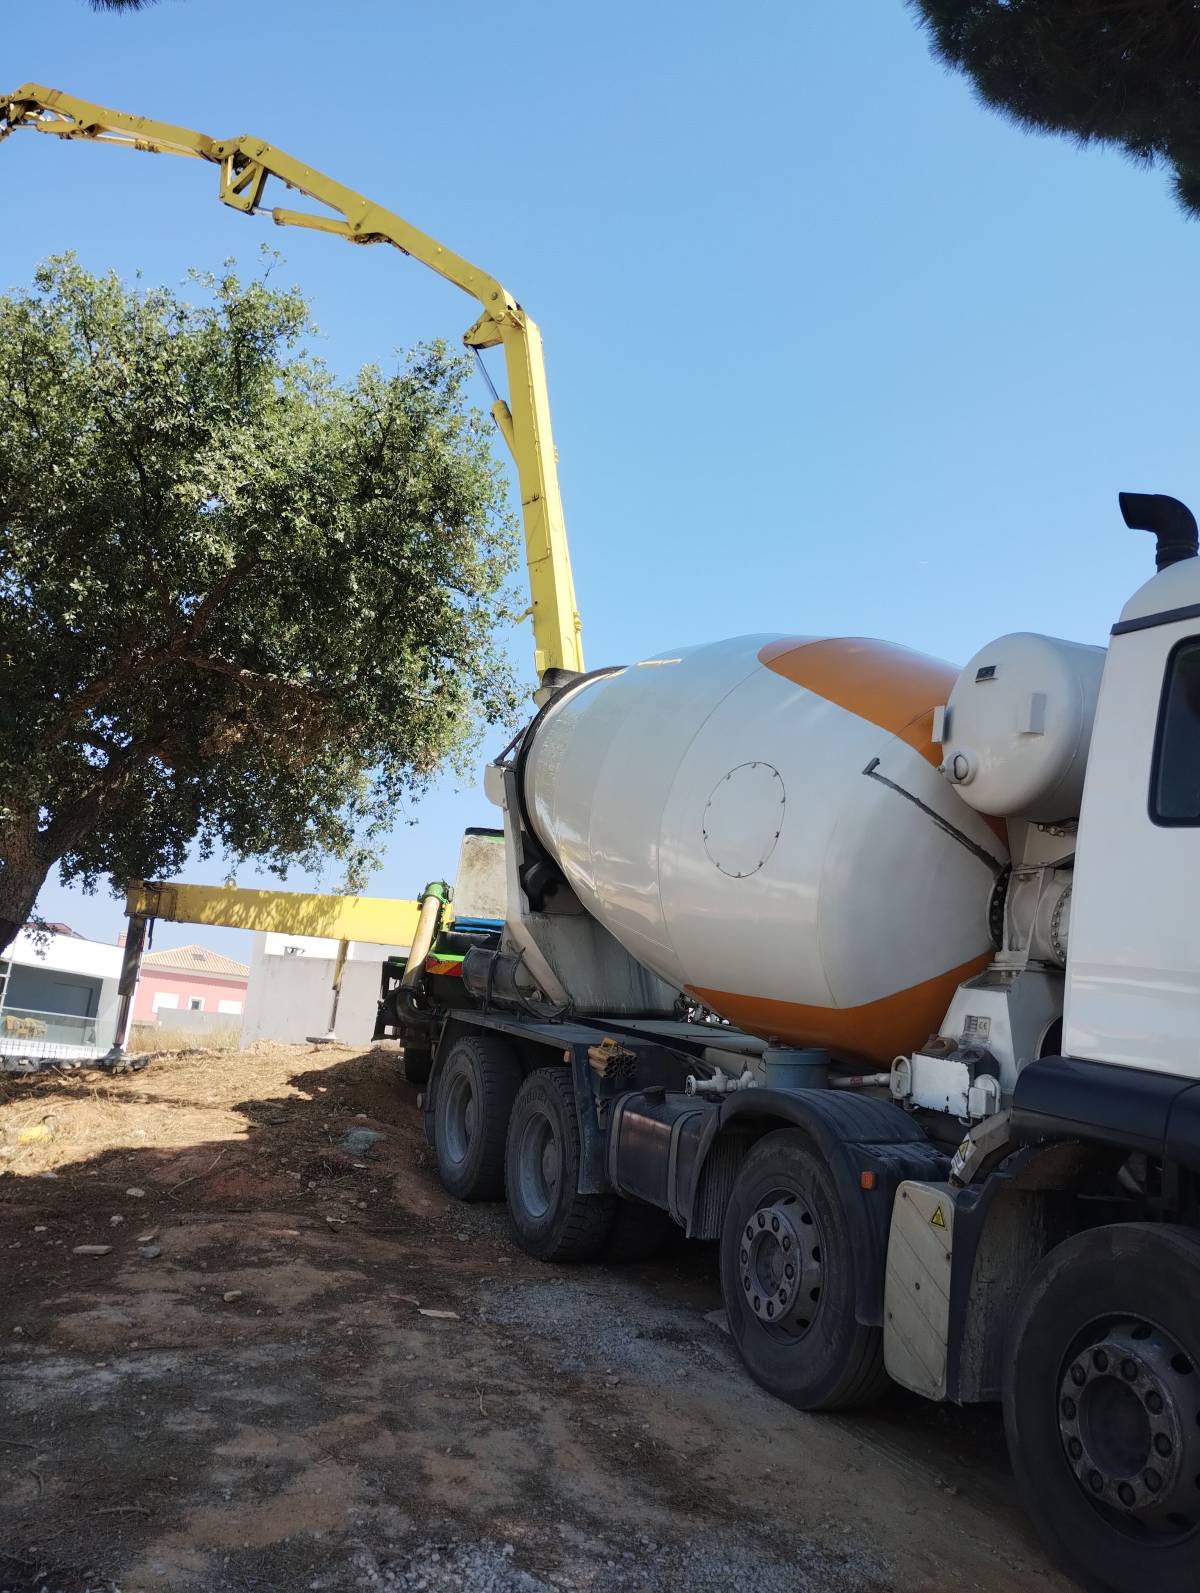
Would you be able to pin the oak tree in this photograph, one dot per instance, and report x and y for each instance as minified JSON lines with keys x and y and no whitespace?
{"x":243,"y":604}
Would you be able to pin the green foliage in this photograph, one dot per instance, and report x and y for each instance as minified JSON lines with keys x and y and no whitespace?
{"x":1125,"y":72}
{"x":241,"y":602}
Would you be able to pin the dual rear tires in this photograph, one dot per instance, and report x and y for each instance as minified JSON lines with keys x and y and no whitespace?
{"x":550,"y":1219}
{"x":475,"y":1094}
{"x":500,"y":1134}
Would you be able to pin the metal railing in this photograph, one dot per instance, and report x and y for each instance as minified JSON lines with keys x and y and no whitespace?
{"x":61,"y":1028}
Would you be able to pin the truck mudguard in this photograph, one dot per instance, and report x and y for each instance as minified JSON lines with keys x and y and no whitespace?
{"x":684,"y":1153}
{"x":1061,"y":1097}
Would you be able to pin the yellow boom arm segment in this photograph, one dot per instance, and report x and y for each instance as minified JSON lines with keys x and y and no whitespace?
{"x":246,"y":166}
{"x":372,"y":919}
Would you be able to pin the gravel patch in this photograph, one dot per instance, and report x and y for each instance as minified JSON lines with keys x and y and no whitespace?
{"x":608,"y":1320}
{"x":482,"y":1567}
{"x":707,"y":1565}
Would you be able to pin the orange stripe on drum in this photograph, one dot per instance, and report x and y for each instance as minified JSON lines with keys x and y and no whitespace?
{"x":876,"y":1032}
{"x":888,"y":685}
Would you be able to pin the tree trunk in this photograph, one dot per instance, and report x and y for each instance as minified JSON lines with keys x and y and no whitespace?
{"x":28,"y":853}
{"x":24,"y":865}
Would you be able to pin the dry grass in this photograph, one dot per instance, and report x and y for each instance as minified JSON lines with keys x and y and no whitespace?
{"x":188,"y":1096}
{"x":147,"y":1038}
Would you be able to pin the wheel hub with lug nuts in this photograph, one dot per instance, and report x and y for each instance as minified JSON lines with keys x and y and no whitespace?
{"x":780,"y":1262}
{"x":1127,"y":1416}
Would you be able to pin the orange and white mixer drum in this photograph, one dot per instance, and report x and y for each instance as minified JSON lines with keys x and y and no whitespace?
{"x":762,"y":822}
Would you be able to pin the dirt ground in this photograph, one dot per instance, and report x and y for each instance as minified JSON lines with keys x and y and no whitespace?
{"x":297,"y":1365}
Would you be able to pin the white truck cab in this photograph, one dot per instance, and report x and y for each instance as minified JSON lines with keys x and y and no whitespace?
{"x":1133,"y":973}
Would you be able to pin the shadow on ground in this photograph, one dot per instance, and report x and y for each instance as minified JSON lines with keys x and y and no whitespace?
{"x":297,"y":1365}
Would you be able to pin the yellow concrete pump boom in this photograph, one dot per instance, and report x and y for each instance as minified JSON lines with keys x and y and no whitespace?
{"x":246,"y":166}
{"x":375,"y":920}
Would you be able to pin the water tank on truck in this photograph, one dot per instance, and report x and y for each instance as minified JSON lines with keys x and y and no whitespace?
{"x":1018,"y":727}
{"x":761,"y":821}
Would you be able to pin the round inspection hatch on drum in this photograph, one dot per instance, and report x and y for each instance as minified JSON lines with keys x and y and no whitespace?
{"x":743,"y":818}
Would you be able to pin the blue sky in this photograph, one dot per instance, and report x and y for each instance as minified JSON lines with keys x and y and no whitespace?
{"x":832,"y":349}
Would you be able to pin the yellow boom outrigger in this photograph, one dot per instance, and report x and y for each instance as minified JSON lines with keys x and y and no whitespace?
{"x":246,"y":166}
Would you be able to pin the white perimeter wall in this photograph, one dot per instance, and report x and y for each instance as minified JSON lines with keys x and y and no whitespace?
{"x":291,"y":989}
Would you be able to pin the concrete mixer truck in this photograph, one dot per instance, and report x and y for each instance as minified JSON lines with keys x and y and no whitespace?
{"x":885,"y":976}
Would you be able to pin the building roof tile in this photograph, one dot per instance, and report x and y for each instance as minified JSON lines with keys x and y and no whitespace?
{"x":196,"y":959}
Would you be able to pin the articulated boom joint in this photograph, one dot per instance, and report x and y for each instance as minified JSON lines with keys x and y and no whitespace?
{"x":246,"y":164}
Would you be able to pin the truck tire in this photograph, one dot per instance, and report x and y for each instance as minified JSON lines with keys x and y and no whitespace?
{"x":1102,"y":1406}
{"x":475,"y":1093}
{"x":550,"y":1220}
{"x":787,"y":1278}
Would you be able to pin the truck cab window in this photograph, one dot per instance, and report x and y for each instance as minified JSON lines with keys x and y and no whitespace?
{"x":1175,"y":787}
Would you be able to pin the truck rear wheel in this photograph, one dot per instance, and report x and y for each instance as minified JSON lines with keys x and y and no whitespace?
{"x":787,"y":1278}
{"x":550,"y":1219}
{"x":475,"y":1093}
{"x":1102,"y":1406}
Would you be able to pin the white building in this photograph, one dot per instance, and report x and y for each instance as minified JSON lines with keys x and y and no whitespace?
{"x":290,"y":993}
{"x":58,"y":995}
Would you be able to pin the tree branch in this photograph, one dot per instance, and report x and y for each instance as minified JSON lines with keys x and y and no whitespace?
{"x":254,"y":677}
{"x":81,"y":815}
{"x":145,"y":662}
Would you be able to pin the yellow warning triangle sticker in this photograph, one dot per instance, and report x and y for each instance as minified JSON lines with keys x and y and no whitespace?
{"x":938,"y":1220}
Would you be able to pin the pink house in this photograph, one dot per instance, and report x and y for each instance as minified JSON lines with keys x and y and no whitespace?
{"x":189,"y":979}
